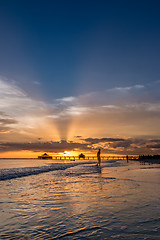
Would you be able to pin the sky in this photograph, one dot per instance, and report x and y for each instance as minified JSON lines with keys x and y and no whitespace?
{"x":78,"y":76}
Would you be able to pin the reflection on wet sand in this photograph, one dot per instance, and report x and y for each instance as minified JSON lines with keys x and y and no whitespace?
{"x":83,"y":201}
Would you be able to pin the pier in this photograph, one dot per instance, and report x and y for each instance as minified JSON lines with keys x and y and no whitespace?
{"x":73,"y":158}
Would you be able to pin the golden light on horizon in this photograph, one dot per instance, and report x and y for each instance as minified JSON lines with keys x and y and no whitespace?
{"x":68,"y":153}
{"x":20,"y":154}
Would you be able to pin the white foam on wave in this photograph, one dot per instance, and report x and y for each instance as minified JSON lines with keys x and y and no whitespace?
{"x":11,"y":173}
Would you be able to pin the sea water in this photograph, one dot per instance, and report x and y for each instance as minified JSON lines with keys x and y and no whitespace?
{"x":47,"y":199}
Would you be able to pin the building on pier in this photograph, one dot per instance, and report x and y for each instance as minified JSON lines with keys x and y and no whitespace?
{"x":45,"y":156}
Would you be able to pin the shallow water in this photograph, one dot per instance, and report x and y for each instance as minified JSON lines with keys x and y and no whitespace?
{"x":77,"y":200}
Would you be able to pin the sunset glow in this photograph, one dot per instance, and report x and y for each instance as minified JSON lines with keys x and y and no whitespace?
{"x":68,"y":154}
{"x":95,"y":96}
{"x":79,"y":119}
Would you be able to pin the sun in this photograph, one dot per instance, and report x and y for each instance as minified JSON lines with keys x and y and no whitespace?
{"x":68,"y":153}
{"x":65,"y":153}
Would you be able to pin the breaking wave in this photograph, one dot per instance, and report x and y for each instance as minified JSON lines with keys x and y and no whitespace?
{"x":11,"y":173}
{"x":6,"y":174}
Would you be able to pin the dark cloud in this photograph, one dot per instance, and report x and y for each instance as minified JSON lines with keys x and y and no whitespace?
{"x":121,"y":144}
{"x":4,"y":129}
{"x":43,"y":146}
{"x":113,"y":145}
{"x":154,"y":146}
{"x":6,"y":121}
{"x":143,"y":143}
{"x":155,"y":140}
{"x":3,"y":114}
{"x":98,"y":140}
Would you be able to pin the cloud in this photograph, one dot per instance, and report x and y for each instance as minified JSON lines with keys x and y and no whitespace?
{"x":6,"y":125}
{"x":121,"y":144}
{"x":8,"y":88}
{"x":110,"y":146}
{"x":43,"y":146}
{"x":25,"y":116}
{"x":130,"y":98}
{"x":4,"y":129}
{"x":156,"y":146}
{"x":15,"y":102}
{"x":126,"y":112}
{"x":99,"y":140}
{"x":36,"y":83}
{"x":66,"y":99}
{"x":124,"y":89}
{"x":6,"y":121}
{"x":155,"y":140}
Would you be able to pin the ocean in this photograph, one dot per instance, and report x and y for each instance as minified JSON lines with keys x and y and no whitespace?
{"x":51,"y":199}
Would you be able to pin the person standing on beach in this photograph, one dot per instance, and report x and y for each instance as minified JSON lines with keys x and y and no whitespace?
{"x":99,"y":157}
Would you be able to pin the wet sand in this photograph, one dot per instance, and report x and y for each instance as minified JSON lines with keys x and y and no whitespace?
{"x":120,"y":200}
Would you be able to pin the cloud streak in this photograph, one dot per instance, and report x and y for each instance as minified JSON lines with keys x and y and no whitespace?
{"x":110,"y":146}
{"x":15,"y":102}
{"x":137,"y":97}
{"x":109,"y":119}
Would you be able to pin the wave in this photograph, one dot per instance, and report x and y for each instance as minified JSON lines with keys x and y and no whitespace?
{"x":84,"y":229}
{"x":11,"y":173}
{"x":6,"y":174}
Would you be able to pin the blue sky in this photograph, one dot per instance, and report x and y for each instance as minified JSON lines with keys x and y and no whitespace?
{"x":74,"y":47}
{"x":73,"y":64}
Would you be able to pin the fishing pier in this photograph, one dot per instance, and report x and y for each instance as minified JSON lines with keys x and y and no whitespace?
{"x":73,"y":158}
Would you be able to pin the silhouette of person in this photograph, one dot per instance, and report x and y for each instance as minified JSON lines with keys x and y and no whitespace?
{"x":99,"y":157}
{"x":127,"y":158}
